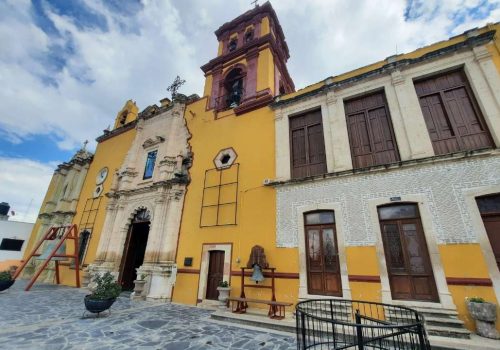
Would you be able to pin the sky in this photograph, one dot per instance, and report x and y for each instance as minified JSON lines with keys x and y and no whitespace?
{"x":68,"y":66}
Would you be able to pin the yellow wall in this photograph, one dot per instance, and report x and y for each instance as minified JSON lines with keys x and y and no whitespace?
{"x":109,"y":153}
{"x":264,"y":26}
{"x":466,"y":261}
{"x":252,"y":137}
{"x":265,"y":72}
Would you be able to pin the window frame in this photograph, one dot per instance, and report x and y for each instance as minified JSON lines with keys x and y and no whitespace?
{"x":308,"y":164}
{"x":144,"y":176}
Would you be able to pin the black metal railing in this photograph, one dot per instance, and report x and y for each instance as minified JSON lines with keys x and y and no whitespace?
{"x":336,"y":324}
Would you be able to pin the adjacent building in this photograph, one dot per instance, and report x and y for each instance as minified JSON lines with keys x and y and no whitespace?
{"x":388,"y":179}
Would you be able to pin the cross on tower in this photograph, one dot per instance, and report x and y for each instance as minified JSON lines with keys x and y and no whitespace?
{"x":175,"y":86}
{"x":255,"y":2}
{"x":85,"y":144}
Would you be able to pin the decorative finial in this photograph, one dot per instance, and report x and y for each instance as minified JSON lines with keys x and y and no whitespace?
{"x":175,"y":86}
{"x":255,"y":2}
{"x":85,"y":144}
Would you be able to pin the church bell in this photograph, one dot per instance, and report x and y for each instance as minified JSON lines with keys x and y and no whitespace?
{"x":257,"y":275}
{"x":49,"y":247}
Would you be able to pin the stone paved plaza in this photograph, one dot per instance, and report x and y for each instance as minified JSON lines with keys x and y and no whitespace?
{"x":50,"y":317}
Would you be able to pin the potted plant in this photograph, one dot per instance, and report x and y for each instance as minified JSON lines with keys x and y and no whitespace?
{"x":5,"y":280}
{"x":485,"y":315}
{"x":224,"y":289}
{"x":104,"y":294}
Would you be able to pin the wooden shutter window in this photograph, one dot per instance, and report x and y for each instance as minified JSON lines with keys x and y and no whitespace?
{"x":370,"y":131}
{"x":307,"y":145}
{"x":451,"y":114}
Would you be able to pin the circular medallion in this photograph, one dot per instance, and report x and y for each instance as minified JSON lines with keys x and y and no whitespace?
{"x":101,"y":176}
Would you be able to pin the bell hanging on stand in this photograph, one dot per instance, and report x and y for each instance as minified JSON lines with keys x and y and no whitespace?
{"x":257,"y":275}
{"x":49,"y":247}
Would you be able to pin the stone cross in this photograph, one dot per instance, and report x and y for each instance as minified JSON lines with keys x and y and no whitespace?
{"x":85,"y":144}
{"x":175,"y":86}
{"x":255,"y":2}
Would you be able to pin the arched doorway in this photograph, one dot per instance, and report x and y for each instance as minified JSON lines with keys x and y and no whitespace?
{"x":406,"y":253}
{"x":489,"y":207}
{"x":135,"y":248}
{"x":323,"y":267}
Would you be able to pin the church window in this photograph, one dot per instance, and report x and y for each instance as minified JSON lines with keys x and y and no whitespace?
{"x":249,"y":35}
{"x":307,"y":145}
{"x":233,"y":86}
{"x":451,"y":114}
{"x":371,"y":136}
{"x":232,"y":45}
{"x":123,"y":118}
{"x":220,"y":197}
{"x":150,"y":165}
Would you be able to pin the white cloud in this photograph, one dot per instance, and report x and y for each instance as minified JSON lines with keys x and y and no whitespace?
{"x":23,"y":183}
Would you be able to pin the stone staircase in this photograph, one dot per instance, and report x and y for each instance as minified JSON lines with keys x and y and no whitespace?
{"x":442,"y":322}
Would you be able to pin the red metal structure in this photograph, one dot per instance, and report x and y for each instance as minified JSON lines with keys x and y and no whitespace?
{"x":62,"y":233}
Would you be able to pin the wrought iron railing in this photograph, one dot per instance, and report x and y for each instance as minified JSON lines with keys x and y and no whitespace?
{"x":336,"y":324}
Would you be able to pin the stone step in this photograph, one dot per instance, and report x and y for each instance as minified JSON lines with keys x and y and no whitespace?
{"x":436,"y":311}
{"x":452,"y":332}
{"x":448,"y":322}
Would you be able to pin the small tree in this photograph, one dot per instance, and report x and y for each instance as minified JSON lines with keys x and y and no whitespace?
{"x":5,"y":276}
{"x":106,"y":287}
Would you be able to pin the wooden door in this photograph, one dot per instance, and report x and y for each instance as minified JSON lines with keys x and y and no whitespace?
{"x":489,"y":206}
{"x":215,"y":273}
{"x":323,"y":267}
{"x":451,"y":114}
{"x":408,"y":261}
{"x":371,"y":136}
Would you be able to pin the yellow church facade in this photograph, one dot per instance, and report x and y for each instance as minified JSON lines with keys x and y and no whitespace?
{"x":362,"y":186}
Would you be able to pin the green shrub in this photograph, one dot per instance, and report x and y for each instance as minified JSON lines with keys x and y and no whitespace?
{"x":5,"y":276}
{"x":224,"y":284}
{"x":106,"y":287}
{"x":474,"y":300}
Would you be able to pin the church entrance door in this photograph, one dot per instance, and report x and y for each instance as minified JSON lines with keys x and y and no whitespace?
{"x":135,"y":249}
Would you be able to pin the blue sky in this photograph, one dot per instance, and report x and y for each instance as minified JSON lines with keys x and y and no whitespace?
{"x":67,"y":67}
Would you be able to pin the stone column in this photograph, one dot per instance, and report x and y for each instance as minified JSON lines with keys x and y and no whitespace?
{"x":408,"y":120}
{"x":156,"y":229}
{"x":339,"y":134}
{"x":484,"y":81}
{"x":282,"y":146}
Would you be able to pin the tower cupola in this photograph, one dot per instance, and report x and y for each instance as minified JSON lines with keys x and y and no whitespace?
{"x":250,"y":68}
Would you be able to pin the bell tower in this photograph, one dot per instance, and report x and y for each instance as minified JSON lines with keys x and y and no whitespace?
{"x":250,"y":67}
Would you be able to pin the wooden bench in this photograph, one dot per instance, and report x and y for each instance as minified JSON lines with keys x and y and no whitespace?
{"x":276,"y":308}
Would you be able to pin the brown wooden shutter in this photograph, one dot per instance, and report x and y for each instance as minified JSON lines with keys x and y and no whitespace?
{"x":451,"y":114}
{"x":370,"y":131}
{"x":307,"y":145}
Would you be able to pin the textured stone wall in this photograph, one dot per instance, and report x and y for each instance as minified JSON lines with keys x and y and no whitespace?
{"x":441,"y":183}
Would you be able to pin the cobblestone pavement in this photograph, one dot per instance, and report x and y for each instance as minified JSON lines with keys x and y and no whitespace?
{"x":50,"y":317}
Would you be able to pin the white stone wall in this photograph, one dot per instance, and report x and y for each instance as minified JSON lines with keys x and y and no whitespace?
{"x":443,"y":184}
